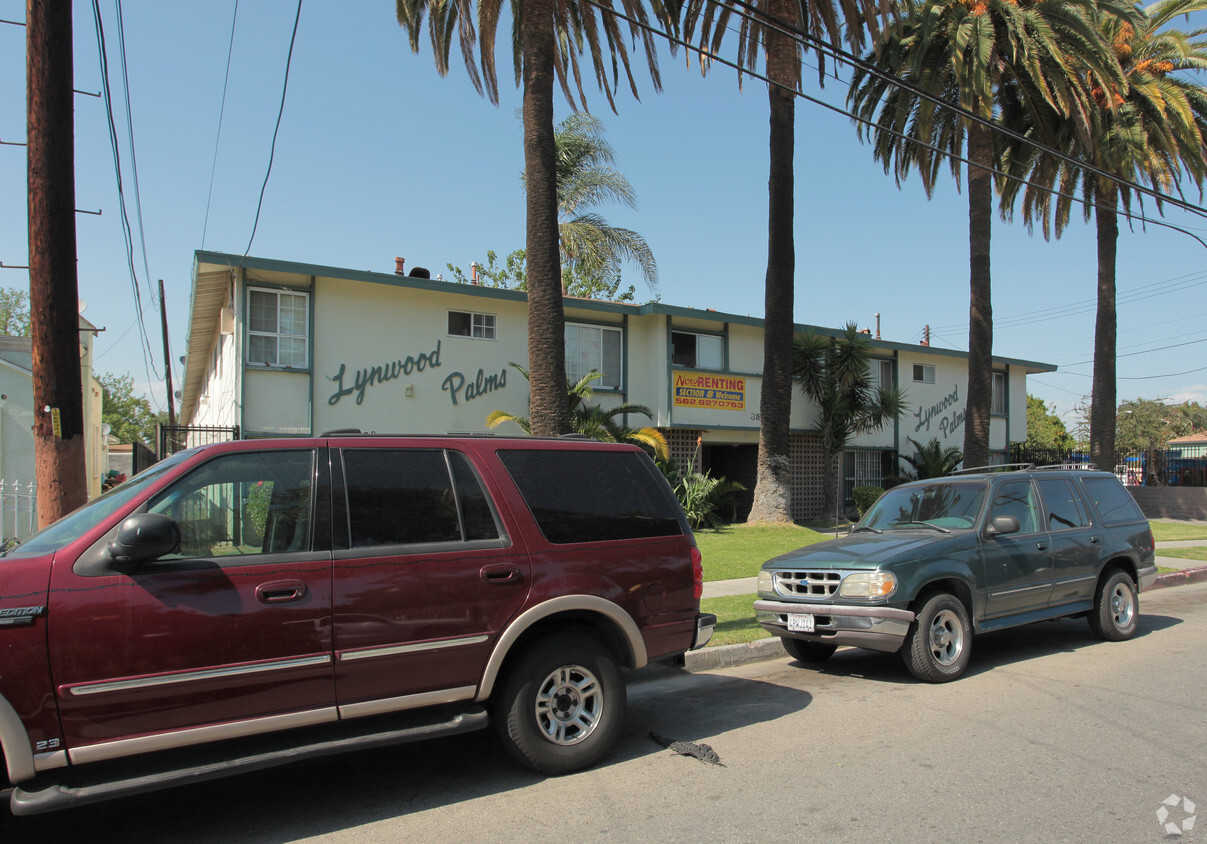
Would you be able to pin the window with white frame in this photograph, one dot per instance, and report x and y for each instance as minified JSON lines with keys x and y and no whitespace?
{"x":277,"y":328}
{"x":593,"y":347}
{"x":924,"y":373}
{"x":881,"y":373}
{"x":698,"y":351}
{"x":999,"y":394}
{"x":466,"y":324}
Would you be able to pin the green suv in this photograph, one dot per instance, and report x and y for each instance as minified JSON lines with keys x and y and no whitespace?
{"x":935,"y":561}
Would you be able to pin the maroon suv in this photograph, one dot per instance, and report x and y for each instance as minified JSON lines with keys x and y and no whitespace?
{"x":249,"y":603}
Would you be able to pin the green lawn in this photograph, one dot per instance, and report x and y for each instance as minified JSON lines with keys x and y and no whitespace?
{"x":735,"y":619}
{"x":1176,"y":531}
{"x":738,"y":550}
{"x":1185,"y":553}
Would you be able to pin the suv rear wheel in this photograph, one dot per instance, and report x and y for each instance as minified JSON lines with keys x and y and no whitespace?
{"x":1115,"y":608}
{"x":563,"y":704}
{"x":939,"y":641}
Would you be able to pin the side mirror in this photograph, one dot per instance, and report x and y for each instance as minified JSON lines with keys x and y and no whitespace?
{"x":144,"y":537}
{"x":1002,"y":525}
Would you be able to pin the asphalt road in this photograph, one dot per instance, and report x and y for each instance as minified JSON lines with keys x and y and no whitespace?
{"x":1052,"y":736}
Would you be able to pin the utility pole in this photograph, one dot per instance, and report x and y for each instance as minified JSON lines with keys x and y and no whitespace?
{"x":167,"y":358}
{"x":53,"y":290}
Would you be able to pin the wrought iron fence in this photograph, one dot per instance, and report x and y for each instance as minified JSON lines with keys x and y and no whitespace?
{"x":1144,"y":467}
{"x":174,"y":438}
{"x":18,"y":509}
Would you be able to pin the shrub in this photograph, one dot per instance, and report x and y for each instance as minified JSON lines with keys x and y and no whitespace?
{"x":865,"y":497}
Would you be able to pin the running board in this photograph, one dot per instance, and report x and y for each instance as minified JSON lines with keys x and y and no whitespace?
{"x":107,"y":781}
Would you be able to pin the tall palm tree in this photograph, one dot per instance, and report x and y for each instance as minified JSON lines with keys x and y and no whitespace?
{"x":1153,"y":130}
{"x":765,"y":29}
{"x":591,"y":248}
{"x":592,"y":420}
{"x":834,"y":372}
{"x":967,"y":54}
{"x":549,"y":37}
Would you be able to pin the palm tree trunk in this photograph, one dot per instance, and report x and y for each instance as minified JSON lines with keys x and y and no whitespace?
{"x":1103,"y":397}
{"x":773,"y":490}
{"x":547,"y":405}
{"x":980,"y":306}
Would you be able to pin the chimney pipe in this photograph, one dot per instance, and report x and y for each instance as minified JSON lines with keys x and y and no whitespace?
{"x":877,"y":326}
{"x":473,"y":269}
{"x":399,"y":266}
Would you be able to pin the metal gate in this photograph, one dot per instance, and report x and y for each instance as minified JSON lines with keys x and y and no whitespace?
{"x":174,"y":438}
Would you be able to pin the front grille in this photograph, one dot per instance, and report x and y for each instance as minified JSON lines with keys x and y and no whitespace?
{"x":814,"y":584}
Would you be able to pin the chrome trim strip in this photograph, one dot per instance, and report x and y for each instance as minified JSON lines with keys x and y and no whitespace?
{"x":779,"y":607}
{"x":396,"y":704}
{"x":1047,"y":584}
{"x":194,"y":676}
{"x":48,"y":761}
{"x":394,"y":650}
{"x":199,"y":735}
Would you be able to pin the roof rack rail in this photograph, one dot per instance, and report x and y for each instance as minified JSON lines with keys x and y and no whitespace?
{"x":337,"y":432}
{"x":1070,"y":464}
{"x":996,"y":467}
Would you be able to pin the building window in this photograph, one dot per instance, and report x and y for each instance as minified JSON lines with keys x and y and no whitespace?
{"x":999,"y":394}
{"x":698,"y":351}
{"x":277,"y":328}
{"x":924,"y":373}
{"x":478,"y":326}
{"x":590,"y":347}
{"x":881,"y":373}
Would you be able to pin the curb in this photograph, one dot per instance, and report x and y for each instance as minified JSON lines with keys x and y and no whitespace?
{"x":730,"y":656}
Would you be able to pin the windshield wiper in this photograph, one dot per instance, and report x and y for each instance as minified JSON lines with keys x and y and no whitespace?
{"x":866,"y":527}
{"x":927,"y":524}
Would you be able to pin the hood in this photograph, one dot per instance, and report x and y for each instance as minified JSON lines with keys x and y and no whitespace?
{"x":867,"y":550}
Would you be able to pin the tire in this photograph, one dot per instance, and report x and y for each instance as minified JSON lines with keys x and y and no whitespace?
{"x":1116,"y":608}
{"x":812,"y":652}
{"x":939,"y":642}
{"x":562,"y":705}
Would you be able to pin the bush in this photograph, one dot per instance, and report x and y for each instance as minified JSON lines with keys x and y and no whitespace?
{"x":865,"y":497}
{"x":704,"y":499}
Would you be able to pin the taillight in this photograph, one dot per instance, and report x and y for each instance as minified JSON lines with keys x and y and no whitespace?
{"x":697,"y":573}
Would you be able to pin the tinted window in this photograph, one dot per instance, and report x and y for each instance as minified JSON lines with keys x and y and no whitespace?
{"x":1062,"y":505}
{"x":592,"y":496}
{"x":399,"y":497}
{"x":244,"y":503}
{"x":475,"y":506}
{"x":1017,"y":499}
{"x":1115,"y":504}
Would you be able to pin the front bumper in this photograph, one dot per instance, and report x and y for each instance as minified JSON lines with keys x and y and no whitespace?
{"x":875,"y":628}
{"x":706,"y":623}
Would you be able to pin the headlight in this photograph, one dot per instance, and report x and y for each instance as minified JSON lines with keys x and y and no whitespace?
{"x":868,"y":584}
{"x":765,"y":583}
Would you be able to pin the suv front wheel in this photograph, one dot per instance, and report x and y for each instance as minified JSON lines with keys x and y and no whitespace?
{"x":562,"y":706}
{"x":939,"y":641}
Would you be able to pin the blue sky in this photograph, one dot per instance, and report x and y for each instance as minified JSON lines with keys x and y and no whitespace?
{"x":378,"y":157}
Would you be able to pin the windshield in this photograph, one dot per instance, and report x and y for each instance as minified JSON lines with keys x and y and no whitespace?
{"x":78,"y":522}
{"x":953,"y":506}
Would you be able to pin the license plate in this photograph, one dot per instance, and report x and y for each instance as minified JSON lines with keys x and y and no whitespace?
{"x":800,"y":622}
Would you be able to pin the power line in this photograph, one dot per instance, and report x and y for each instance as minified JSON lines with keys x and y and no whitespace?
{"x":273,"y":149}
{"x":230,"y":49}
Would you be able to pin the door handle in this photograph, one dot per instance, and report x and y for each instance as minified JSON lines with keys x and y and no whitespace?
{"x":1095,"y":540}
{"x":280,"y":591}
{"x":501,"y":573}
{"x":1041,"y":546}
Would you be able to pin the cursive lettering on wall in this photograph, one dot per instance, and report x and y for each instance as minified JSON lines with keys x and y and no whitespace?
{"x":459,"y":389}
{"x":947,"y":424}
{"x":366,"y":378}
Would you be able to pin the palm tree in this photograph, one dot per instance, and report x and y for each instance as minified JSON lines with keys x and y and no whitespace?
{"x":1153,"y":130}
{"x":548,"y":39}
{"x":967,"y":54}
{"x":592,"y":420}
{"x":834,"y":372}
{"x":766,"y":31}
{"x":933,"y":460}
{"x":592,"y":250}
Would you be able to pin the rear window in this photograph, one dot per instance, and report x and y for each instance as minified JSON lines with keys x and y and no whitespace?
{"x":592,"y":496}
{"x":1115,"y":504}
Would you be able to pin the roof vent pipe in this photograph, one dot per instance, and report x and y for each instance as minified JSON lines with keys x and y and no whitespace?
{"x":399,"y":266}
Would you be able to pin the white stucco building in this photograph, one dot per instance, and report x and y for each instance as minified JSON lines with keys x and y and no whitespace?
{"x":277,"y":348}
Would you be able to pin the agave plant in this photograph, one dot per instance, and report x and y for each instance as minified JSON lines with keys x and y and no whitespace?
{"x":704,"y":499}
{"x":591,"y":420}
